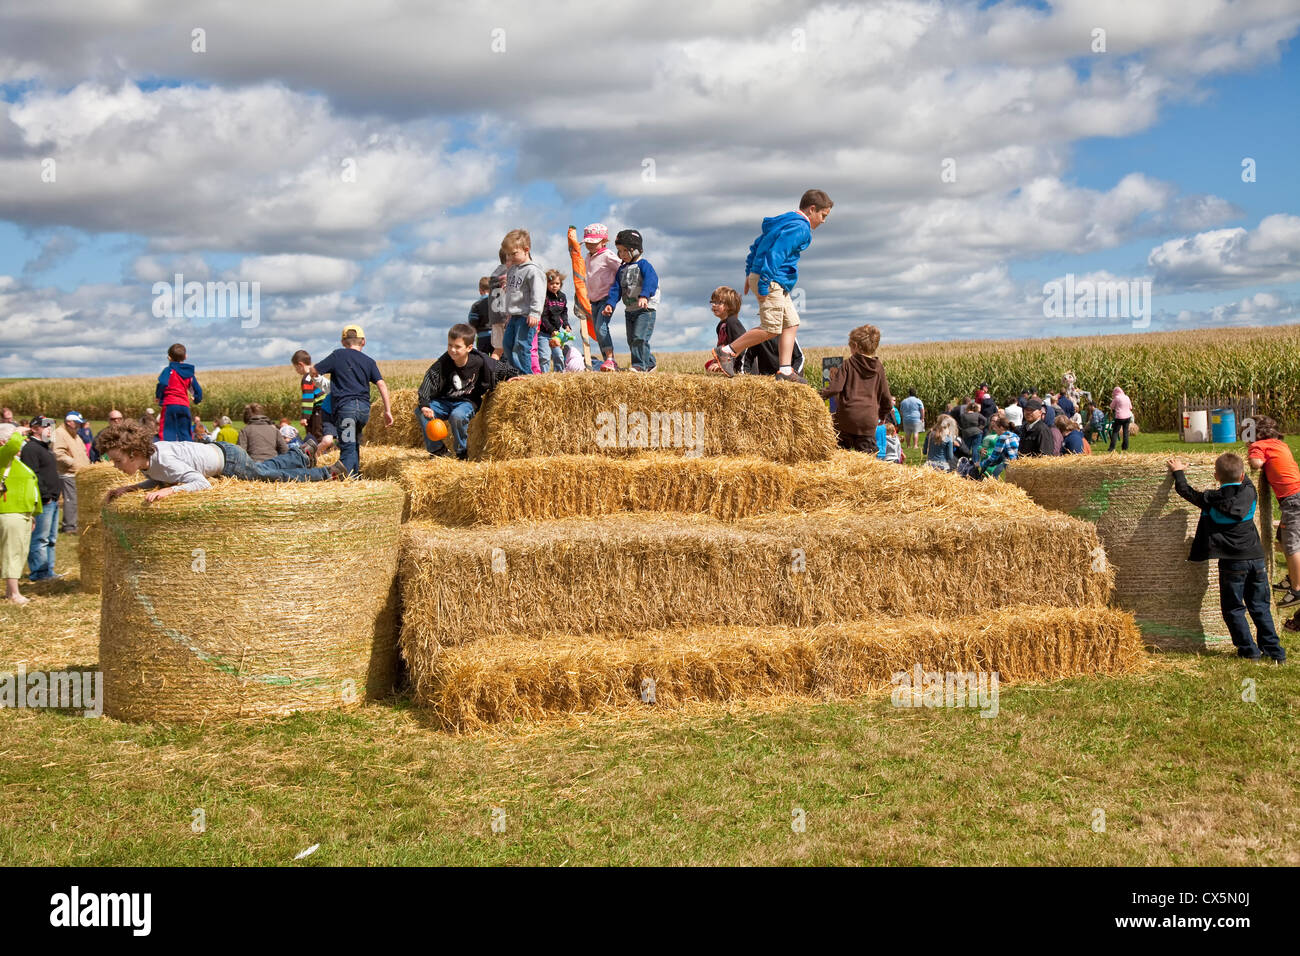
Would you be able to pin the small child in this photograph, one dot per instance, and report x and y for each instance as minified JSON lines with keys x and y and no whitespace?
{"x":454,"y":387}
{"x":289,"y":433}
{"x":525,"y":298}
{"x":572,"y":356}
{"x":1226,"y":531}
{"x":725,"y":304}
{"x":351,"y":373}
{"x":175,"y":384}
{"x":480,"y":316}
{"x":772,"y":268}
{"x":861,"y":391}
{"x":1006,"y":448}
{"x":938,"y":447}
{"x":602,"y":266}
{"x":555,"y":317}
{"x":637,"y":284}
{"x":314,"y":407}
{"x":893,"y":447}
{"x":1270,"y":452}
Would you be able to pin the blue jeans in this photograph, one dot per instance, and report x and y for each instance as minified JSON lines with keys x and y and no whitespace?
{"x":601,"y":321}
{"x":1244,"y":589}
{"x":357,"y":412}
{"x":457,"y":416}
{"x":640,"y":326}
{"x":178,"y":423}
{"x":291,"y":466}
{"x":517,"y":347}
{"x":40,"y":556}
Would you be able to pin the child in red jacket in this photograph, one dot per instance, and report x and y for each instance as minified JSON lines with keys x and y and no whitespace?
{"x":175,"y":383}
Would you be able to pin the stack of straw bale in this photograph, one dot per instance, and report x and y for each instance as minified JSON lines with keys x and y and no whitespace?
{"x":628,"y":573}
{"x":92,"y":484}
{"x":1147,"y":530}
{"x":510,"y":678}
{"x":250,"y":599}
{"x":405,"y":431}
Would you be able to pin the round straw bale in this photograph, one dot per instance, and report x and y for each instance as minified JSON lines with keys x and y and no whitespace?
{"x":92,"y":484}
{"x":250,"y":599}
{"x":1147,"y":530}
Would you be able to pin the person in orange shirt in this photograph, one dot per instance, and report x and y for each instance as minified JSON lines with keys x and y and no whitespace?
{"x":1270,"y":452}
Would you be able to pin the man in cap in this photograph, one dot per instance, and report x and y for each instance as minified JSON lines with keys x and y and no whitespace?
{"x":70,"y":454}
{"x":37,"y":455}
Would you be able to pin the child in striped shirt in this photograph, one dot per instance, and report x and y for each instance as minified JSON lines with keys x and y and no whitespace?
{"x":315,"y":405}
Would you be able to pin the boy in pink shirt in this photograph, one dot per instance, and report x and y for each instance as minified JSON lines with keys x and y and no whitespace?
{"x":602,"y":266}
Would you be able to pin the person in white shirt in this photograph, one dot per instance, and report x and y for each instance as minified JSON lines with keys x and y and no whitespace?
{"x":1015,"y":415}
{"x":171,"y":467}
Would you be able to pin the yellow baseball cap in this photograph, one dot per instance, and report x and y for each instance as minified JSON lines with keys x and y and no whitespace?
{"x":353,"y":332}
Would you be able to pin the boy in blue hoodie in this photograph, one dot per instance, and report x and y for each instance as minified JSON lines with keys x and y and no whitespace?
{"x":1226,"y":530}
{"x":772,"y":269}
{"x":175,"y":383}
{"x":637,"y":284}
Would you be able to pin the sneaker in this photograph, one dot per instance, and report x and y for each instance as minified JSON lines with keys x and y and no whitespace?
{"x":1283,"y":585}
{"x":308,"y":448}
{"x":726,"y":361}
{"x":1293,"y":624}
{"x":337,"y":471}
{"x":1292,"y":599}
{"x":791,"y":377}
{"x":609,"y":365}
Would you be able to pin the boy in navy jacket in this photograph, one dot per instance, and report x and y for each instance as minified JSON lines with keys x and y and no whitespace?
{"x":637,"y":284}
{"x":175,"y":383}
{"x":1226,"y":531}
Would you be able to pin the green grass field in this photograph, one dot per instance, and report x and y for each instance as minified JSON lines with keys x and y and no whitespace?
{"x":1185,"y":770}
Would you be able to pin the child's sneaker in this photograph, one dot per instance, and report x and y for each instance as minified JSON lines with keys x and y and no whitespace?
{"x":309,"y":448}
{"x":1293,"y":624}
{"x":791,"y":377}
{"x":337,"y":471}
{"x":726,"y":361}
{"x":609,"y":365}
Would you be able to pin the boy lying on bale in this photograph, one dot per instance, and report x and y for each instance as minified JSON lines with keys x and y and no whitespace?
{"x":174,"y":466}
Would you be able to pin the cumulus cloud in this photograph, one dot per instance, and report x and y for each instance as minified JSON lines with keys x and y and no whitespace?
{"x":1230,"y":258}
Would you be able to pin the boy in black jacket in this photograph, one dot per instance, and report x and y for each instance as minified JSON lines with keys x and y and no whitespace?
{"x":454,"y":386}
{"x":1226,"y":530}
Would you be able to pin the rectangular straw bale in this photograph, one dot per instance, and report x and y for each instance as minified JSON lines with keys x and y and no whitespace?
{"x":405,"y":431}
{"x":1147,"y":530}
{"x":623,"y":414}
{"x":624,"y":574}
{"x":505,"y":678}
{"x":564,"y":486}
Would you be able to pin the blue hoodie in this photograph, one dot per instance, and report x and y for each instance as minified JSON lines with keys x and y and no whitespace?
{"x":775,"y":254}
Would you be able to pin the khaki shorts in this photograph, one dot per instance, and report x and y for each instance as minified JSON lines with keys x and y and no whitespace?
{"x":775,"y":310}
{"x":15,"y":540}
{"x":498,"y":335}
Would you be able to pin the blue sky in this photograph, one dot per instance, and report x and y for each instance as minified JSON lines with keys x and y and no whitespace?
{"x":224,"y":164}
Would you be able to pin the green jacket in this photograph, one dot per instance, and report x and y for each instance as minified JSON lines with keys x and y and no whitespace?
{"x":22,"y":496}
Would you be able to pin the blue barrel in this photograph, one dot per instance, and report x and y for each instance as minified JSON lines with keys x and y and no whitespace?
{"x":1223,"y":426}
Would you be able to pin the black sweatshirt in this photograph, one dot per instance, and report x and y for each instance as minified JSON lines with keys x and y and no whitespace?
{"x":37,"y":456}
{"x":1227,"y":527}
{"x":480,"y":374}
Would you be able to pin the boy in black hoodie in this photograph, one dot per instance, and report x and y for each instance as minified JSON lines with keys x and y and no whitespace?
{"x":1226,"y":530}
{"x":861,"y":392}
{"x":454,"y":386}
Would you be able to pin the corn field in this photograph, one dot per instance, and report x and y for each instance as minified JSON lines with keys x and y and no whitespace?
{"x":1155,"y":369}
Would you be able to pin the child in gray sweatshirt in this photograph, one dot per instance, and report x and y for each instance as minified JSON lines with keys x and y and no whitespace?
{"x":525,"y":299}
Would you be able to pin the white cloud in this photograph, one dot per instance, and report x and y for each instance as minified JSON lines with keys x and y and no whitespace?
{"x":1229,"y":258}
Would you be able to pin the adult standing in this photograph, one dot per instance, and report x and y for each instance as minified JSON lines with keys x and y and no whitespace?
{"x":70,"y":453}
{"x":988,"y":405}
{"x":37,"y":455}
{"x":912,"y":410}
{"x":972,"y":425}
{"x":1037,"y":438}
{"x":1121,"y":409}
{"x":19,"y":506}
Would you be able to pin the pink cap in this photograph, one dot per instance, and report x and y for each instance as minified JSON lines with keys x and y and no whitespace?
{"x":596,"y":232}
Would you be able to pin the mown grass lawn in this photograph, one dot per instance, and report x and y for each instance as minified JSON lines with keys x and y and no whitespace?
{"x":1185,"y":770}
